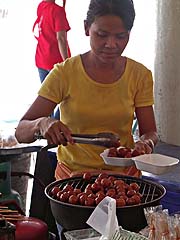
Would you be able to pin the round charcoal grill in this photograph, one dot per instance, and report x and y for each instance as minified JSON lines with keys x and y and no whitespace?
{"x":131,"y":218}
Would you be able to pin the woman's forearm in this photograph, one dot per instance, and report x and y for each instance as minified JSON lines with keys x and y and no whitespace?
{"x":26,"y":130}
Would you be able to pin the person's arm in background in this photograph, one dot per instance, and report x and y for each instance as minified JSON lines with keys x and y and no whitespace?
{"x":62,"y":44}
{"x":147,"y":129}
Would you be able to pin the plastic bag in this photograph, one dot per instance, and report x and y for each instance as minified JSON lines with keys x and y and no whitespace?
{"x":104,"y":219}
{"x":7,"y":140}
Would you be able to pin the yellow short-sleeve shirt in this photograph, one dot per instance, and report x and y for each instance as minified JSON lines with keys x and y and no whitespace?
{"x":87,"y":106}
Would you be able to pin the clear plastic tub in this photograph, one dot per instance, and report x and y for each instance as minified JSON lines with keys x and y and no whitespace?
{"x":91,"y":234}
{"x":82,"y":234}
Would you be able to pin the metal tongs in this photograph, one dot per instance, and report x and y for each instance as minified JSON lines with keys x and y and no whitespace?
{"x":105,"y":139}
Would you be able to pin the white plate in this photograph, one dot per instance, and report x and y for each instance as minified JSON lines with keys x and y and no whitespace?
{"x":116,"y":161}
{"x":155,"y":163}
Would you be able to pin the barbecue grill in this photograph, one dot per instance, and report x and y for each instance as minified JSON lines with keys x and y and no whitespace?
{"x":131,"y":218}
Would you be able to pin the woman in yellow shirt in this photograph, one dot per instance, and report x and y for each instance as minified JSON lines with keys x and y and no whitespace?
{"x":97,"y":91}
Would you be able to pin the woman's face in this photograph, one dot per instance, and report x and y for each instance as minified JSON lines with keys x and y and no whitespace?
{"x":108,"y":38}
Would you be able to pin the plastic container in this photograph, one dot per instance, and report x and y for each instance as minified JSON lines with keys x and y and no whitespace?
{"x":116,"y":161}
{"x":91,"y":234}
{"x":153,"y":163}
{"x":82,"y":234}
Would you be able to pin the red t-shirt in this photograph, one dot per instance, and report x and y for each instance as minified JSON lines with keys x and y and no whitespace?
{"x":51,"y":18}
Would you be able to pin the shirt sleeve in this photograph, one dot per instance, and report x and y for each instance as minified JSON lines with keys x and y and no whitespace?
{"x":60,"y":20}
{"x":144,"y":95}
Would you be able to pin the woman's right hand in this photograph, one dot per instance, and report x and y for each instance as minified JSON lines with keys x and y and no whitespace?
{"x":55,"y":131}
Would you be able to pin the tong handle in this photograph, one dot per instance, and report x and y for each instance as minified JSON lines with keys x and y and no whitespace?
{"x":84,"y":135}
{"x":74,"y":135}
{"x":106,"y":142}
{"x":100,"y":139}
{"x":92,"y":136}
{"x":97,"y":135}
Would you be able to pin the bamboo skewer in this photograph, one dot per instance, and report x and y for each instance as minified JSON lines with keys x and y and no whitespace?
{"x":10,"y":215}
{"x":8,"y":211}
{"x":14,"y":219}
{"x":3,"y":207}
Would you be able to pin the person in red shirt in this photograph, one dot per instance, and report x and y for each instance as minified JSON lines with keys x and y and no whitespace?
{"x":52,"y":46}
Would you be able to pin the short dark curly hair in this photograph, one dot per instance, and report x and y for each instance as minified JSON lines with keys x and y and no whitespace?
{"x":121,"y":8}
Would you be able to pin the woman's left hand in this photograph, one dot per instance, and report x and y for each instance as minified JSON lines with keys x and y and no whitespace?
{"x":143,"y":146}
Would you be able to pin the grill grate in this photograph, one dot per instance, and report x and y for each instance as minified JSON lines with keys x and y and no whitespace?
{"x":150,"y":191}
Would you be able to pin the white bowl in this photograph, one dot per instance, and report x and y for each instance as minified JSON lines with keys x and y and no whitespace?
{"x":116,"y":161}
{"x":155,"y":163}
